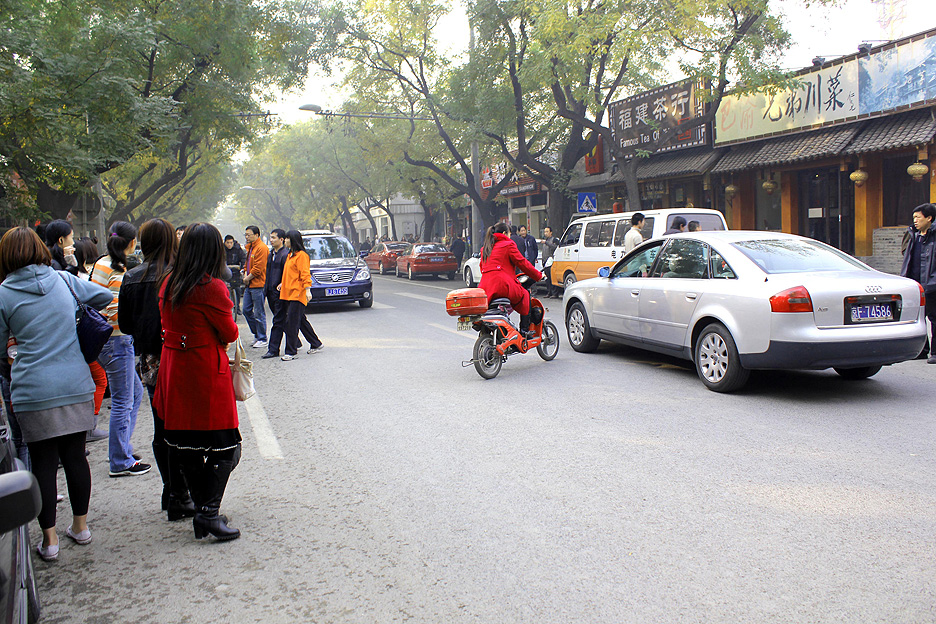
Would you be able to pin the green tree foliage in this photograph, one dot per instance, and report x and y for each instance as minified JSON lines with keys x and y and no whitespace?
{"x":86,"y":87}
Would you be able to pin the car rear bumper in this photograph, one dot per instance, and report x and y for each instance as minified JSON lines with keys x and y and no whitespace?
{"x":356,"y":292}
{"x":435,"y":268}
{"x":817,"y":356}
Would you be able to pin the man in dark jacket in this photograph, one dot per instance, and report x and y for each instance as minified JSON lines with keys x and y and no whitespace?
{"x":529,"y":249}
{"x":274,"y":272}
{"x":920,"y":264}
{"x":515,"y":237}
{"x":458,"y":249}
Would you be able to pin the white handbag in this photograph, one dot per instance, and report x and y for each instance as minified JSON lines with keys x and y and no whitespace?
{"x":242,"y":373}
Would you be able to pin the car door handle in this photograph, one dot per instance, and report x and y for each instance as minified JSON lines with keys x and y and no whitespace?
{"x":691,"y":296}
{"x":635,"y":292}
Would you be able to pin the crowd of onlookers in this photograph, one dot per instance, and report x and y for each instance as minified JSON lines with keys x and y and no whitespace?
{"x":171,"y":325}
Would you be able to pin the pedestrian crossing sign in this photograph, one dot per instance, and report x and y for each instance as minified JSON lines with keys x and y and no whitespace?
{"x":588,"y":202}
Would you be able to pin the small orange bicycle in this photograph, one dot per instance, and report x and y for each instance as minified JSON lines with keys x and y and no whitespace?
{"x":498,"y":338}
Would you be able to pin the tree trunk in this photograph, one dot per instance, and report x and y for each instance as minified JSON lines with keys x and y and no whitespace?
{"x":57,"y":204}
{"x":629,"y":170}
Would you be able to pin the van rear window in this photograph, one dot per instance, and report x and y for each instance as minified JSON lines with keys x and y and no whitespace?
{"x":707,"y":222}
{"x":599,"y":233}
{"x":647,"y":230}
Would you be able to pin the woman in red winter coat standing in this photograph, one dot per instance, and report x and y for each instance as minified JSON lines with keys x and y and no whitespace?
{"x":194,"y":391}
{"x":500,"y":261}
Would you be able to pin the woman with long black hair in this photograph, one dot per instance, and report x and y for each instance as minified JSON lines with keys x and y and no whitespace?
{"x":294,"y":292}
{"x":194,"y":390}
{"x":138,"y":313}
{"x":60,"y":238}
{"x":500,"y":262}
{"x":117,"y":356}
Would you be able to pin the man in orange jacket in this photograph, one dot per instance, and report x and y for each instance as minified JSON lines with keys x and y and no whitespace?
{"x":254,"y":280}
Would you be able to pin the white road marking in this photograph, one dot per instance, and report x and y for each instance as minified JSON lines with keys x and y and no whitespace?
{"x":267,"y":443}
{"x":382,"y":306}
{"x":421,"y":297}
{"x":454,"y":285}
{"x":467,"y":334}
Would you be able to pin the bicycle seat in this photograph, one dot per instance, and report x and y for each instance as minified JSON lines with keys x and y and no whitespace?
{"x":500,"y":301}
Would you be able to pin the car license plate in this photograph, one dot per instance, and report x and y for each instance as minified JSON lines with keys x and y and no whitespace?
{"x":872,"y":313}
{"x":436,"y":259}
{"x":332,"y":292}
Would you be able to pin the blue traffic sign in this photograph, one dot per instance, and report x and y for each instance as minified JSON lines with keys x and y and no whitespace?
{"x":588,"y":202}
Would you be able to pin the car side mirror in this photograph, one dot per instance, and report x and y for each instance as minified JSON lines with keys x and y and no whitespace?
{"x":19,"y":499}
{"x":604,"y":271}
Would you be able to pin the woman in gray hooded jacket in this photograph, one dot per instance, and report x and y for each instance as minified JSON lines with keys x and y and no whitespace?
{"x":52,"y":389}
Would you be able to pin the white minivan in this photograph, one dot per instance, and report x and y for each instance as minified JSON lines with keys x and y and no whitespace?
{"x":590,"y":243}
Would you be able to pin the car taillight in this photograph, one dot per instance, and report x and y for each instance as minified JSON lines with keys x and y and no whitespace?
{"x":922,"y":295}
{"x":794,"y":299}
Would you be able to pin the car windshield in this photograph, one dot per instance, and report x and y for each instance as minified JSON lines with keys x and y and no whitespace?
{"x":328,"y":247}
{"x":793,"y":256}
{"x":429,"y":249}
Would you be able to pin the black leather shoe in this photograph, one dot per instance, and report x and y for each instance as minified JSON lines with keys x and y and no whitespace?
{"x":268,"y":355}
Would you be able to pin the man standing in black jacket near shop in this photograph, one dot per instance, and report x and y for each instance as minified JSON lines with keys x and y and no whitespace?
{"x":274,"y":276}
{"x":920,"y":264}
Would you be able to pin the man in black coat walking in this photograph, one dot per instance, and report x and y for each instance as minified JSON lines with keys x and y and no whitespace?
{"x":458,"y":249}
{"x":919,"y":263}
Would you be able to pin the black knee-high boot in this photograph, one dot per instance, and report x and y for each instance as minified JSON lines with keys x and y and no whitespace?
{"x":175,"y":497}
{"x":215,"y":473}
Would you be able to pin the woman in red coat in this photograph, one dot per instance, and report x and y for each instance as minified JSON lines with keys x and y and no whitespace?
{"x":194,"y":391}
{"x":500,"y":261}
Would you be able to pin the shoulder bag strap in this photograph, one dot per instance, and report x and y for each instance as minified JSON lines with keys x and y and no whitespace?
{"x":80,"y":310}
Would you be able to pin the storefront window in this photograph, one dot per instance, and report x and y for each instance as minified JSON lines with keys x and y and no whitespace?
{"x":901,"y":192}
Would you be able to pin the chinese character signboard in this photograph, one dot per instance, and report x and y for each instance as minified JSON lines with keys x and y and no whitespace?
{"x":636,"y":121}
{"x":903,"y":75}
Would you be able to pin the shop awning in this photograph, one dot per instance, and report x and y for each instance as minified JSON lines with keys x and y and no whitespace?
{"x":679,"y":163}
{"x":895,"y":132}
{"x":788,"y":149}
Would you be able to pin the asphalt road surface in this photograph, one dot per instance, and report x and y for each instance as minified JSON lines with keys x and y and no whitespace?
{"x":383,"y":482}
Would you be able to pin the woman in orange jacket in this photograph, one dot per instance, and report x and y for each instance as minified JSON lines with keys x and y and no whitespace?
{"x":295,"y":292}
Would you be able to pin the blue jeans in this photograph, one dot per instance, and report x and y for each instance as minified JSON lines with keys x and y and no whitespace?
{"x":254,"y":312}
{"x":126,"y":395}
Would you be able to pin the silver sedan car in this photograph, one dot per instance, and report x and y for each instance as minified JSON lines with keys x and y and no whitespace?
{"x":735,"y":301}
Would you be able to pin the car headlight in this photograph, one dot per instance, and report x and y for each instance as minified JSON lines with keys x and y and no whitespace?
{"x":362,"y":275}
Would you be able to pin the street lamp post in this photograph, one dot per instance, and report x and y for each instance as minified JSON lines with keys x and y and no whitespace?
{"x":317,"y":110}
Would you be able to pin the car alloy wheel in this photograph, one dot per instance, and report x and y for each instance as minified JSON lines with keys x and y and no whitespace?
{"x":569,"y":280}
{"x":468,"y":282}
{"x":717,"y":361}
{"x":579,"y":330}
{"x":713,"y":357}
